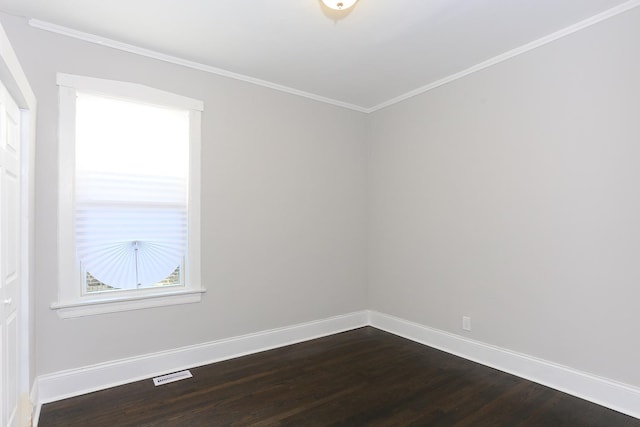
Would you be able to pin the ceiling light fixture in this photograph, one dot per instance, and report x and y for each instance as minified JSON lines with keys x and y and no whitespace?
{"x":339,"y":5}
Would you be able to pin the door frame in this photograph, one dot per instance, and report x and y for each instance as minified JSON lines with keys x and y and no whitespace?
{"x":16,"y":83}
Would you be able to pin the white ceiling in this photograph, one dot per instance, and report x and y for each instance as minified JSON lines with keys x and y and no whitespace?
{"x":378,"y":51}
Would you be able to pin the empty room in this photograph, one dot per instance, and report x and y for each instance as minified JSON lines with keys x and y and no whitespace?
{"x":320,"y":213}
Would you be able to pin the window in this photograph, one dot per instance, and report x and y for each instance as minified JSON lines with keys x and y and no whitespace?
{"x":129,"y":197}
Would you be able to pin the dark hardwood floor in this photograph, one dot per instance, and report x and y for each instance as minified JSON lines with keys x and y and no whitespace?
{"x":364,"y":377}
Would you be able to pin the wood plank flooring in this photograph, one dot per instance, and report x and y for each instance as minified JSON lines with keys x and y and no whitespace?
{"x":364,"y":377}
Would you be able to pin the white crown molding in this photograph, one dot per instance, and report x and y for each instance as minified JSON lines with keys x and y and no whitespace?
{"x":610,"y":13}
{"x":602,"y":391}
{"x":114,"y":44}
{"x":103,"y":41}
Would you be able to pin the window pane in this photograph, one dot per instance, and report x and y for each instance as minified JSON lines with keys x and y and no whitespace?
{"x":94,"y":285}
{"x":131,"y":192}
{"x":119,"y":136}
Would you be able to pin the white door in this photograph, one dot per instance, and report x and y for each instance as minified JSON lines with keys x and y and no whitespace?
{"x":10,"y":253}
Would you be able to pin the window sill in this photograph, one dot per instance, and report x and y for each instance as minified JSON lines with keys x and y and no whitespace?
{"x":117,"y":304}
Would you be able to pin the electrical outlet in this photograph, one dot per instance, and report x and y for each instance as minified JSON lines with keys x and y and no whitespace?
{"x":466,"y":323}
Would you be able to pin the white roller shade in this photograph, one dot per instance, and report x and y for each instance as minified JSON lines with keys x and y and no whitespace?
{"x":131,"y":206}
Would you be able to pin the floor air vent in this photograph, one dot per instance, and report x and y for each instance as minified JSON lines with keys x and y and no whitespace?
{"x":169,"y":378}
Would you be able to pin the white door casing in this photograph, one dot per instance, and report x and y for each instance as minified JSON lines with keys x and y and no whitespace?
{"x":17,"y":145}
{"x":10,"y":259}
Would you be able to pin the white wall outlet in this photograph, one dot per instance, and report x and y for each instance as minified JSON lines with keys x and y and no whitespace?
{"x":466,"y":323}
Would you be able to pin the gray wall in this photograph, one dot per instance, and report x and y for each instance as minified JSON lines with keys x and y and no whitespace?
{"x":510,"y":196}
{"x":513,"y":196}
{"x":282,"y":208}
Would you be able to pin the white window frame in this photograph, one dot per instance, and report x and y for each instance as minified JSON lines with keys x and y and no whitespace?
{"x":72,"y":301}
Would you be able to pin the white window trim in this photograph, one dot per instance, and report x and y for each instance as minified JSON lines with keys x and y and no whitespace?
{"x":71,"y":300}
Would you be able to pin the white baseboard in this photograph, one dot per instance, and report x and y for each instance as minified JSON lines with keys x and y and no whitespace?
{"x":60,"y":385}
{"x":602,"y":391}
{"x":64,"y":384}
